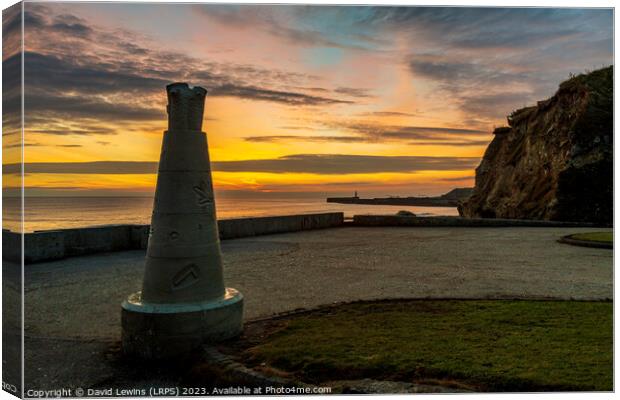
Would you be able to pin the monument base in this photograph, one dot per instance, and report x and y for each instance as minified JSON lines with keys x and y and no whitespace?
{"x":165,"y":331}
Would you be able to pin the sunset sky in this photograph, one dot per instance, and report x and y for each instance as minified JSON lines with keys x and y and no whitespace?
{"x":327,"y":100}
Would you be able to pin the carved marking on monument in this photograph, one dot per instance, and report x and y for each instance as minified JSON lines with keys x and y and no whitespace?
{"x":186,"y":277}
{"x":174,"y":235}
{"x":202,"y":194}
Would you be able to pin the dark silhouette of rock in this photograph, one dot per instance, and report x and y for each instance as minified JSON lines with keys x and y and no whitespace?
{"x":555,"y":160}
{"x":458,"y":194}
{"x":405,"y":213}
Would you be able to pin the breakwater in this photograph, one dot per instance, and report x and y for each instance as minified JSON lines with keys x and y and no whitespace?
{"x":397,"y":201}
{"x":450,"y":199}
{"x":396,"y":220}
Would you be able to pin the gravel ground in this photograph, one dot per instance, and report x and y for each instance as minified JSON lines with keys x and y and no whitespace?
{"x":80,"y":297}
{"x":73,"y":305}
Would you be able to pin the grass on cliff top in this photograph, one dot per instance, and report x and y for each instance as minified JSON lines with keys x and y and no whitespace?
{"x":604,"y":237}
{"x":484,"y":345}
{"x":598,"y":80}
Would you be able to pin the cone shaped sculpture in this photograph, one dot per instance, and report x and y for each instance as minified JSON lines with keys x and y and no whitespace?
{"x":183,"y":302}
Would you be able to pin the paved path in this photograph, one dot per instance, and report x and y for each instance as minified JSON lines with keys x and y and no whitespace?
{"x":80,"y":297}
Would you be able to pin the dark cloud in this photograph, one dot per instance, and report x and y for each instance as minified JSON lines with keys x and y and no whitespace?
{"x":306,"y":37}
{"x":446,"y":71}
{"x":477,"y":87}
{"x":49,"y":75}
{"x":11,"y":30}
{"x":327,"y":164}
{"x":63,"y":74}
{"x":75,"y":70}
{"x":389,"y":114}
{"x":14,"y":145}
{"x":514,"y":39}
{"x":474,"y":54}
{"x":335,"y":164}
{"x":85,"y":131}
{"x":458,"y":178}
{"x":389,"y":132}
{"x":72,"y":28}
{"x":353,"y":92}
{"x":297,"y":128}
{"x":46,"y":124}
{"x":92,"y":167}
{"x":273,"y":21}
{"x":478,"y":53}
{"x":495,"y":105}
{"x":69,"y":145}
{"x":52,"y":189}
{"x":299,"y":138}
{"x":372,"y":133}
{"x":11,"y":70}
{"x":312,"y":89}
{"x":459,"y":75}
{"x":69,"y":106}
{"x":289,"y":98}
{"x":11,"y":20}
{"x":488,"y":27}
{"x":452,"y":143}
{"x":358,"y":139}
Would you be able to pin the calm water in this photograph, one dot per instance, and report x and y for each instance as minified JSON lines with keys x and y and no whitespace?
{"x":69,"y":212}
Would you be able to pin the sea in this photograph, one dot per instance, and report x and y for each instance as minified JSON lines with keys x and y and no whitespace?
{"x":48,"y":213}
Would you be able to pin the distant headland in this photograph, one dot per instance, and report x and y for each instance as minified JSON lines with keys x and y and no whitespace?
{"x":450,"y":199}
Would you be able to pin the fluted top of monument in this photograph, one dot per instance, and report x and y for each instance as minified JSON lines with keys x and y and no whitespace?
{"x":185,"y":106}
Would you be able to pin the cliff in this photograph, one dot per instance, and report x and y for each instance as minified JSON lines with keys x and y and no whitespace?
{"x":458,"y":194}
{"x":555,"y":160}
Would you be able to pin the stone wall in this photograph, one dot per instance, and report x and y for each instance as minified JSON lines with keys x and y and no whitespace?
{"x":243,"y":227}
{"x":53,"y":245}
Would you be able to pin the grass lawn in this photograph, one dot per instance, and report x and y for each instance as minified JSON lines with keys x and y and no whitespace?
{"x":492,"y":345}
{"x":605,"y":237}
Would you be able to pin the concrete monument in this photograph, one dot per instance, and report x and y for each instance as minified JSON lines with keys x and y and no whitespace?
{"x":183,"y":302}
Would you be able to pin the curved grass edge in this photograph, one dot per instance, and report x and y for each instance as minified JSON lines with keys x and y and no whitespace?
{"x":570,"y":239}
{"x":511,"y":384}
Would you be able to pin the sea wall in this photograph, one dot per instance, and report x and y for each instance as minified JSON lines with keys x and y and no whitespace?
{"x":243,"y":227}
{"x":57,"y":244}
{"x":52,"y":245}
{"x":397,"y":220}
{"x":11,"y":245}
